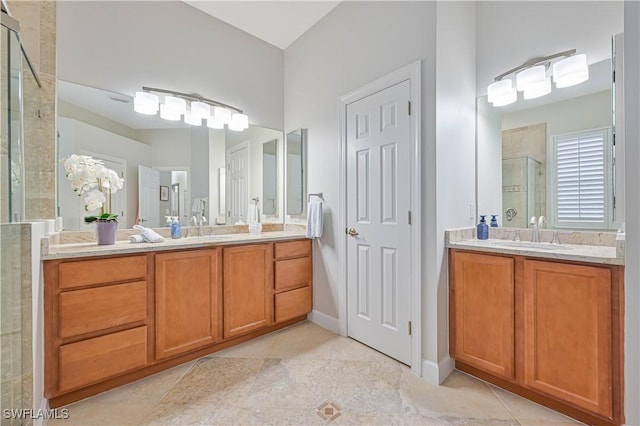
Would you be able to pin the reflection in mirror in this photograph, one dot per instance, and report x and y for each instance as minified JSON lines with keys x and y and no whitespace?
{"x":270,"y":177}
{"x":296,"y":160}
{"x":549,"y":157}
{"x":150,"y":152}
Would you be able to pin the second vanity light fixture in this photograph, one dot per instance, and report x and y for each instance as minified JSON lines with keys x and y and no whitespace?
{"x":533,"y":78}
{"x":175,"y":108}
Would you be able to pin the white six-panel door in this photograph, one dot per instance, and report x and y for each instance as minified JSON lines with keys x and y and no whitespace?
{"x":378,"y":204}
{"x":238,"y":184}
{"x":148,"y":197}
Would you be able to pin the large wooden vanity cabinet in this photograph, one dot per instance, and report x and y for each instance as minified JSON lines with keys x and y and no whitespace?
{"x":548,"y":330}
{"x":111,"y":320}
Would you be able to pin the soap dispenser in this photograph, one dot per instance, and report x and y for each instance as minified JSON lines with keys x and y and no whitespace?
{"x":176,"y":229}
{"x":483,"y":228}
{"x":494,"y":220}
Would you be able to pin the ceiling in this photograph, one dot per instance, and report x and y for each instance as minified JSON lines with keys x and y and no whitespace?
{"x":287,"y":20}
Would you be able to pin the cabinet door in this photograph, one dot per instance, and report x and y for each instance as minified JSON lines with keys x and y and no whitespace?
{"x":188,"y":296}
{"x":567,"y":333}
{"x":483,"y":312}
{"x":248,"y":293}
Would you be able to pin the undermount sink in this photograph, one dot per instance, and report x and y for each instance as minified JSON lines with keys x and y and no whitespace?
{"x":531,"y":245}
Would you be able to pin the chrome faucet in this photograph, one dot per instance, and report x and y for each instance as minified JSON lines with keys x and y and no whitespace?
{"x":535,"y":236}
{"x":537,"y":224}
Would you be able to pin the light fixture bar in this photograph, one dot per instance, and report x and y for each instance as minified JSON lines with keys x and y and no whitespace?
{"x":192,"y":97}
{"x":535,"y":61}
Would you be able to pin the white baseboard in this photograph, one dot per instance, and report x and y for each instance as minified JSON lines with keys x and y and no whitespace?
{"x":324,"y":321}
{"x":434,"y":373}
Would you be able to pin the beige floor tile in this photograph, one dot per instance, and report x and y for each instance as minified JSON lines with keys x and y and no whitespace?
{"x":303,"y":341}
{"x":168,"y":413}
{"x":380,"y":419}
{"x":215,"y":381}
{"x":266,"y":416}
{"x":347,"y":349}
{"x":528,"y":412}
{"x":291,"y":383}
{"x":370,"y":387}
{"x":150,"y":389}
{"x":94,"y":412}
{"x":460,"y":396}
{"x":256,"y":348}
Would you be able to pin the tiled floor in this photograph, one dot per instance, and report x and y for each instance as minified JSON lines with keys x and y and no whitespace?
{"x":289,"y":376}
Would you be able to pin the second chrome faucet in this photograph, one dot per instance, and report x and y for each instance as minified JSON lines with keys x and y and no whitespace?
{"x":537,"y":222}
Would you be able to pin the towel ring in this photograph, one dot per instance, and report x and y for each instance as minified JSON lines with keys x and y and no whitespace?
{"x":315,"y":194}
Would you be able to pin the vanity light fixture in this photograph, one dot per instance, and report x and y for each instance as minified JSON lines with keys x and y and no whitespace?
{"x":533,"y":78}
{"x":175,"y":108}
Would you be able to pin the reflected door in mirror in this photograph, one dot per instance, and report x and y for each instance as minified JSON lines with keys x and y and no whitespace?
{"x":296,"y":147}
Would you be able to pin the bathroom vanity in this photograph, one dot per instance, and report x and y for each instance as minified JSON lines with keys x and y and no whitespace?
{"x":116,"y":314}
{"x":543,"y":322}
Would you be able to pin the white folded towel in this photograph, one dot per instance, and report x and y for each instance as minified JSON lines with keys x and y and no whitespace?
{"x":196,"y":205}
{"x":252,"y":214}
{"x":314,"y":219}
{"x":136,"y":238}
{"x":148,"y":234}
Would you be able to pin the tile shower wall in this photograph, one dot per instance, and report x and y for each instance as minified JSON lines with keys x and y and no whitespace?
{"x":16,"y":372}
{"x":38,"y":33}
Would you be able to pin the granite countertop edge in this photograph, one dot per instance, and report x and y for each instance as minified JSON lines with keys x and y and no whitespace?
{"x":91,"y":249}
{"x":580,"y":253}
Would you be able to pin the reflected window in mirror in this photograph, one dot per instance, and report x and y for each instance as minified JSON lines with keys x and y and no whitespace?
{"x":296,"y":163}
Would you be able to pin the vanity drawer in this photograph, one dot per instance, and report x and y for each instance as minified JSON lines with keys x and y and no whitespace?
{"x":94,"y":309}
{"x":92,"y":360}
{"x":292,"y":273}
{"x":102,"y":271}
{"x":292,"y":249}
{"x":292,"y":304}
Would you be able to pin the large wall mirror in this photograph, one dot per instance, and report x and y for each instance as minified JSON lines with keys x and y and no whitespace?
{"x":552,"y":156}
{"x":296,"y":173}
{"x":170,"y":169}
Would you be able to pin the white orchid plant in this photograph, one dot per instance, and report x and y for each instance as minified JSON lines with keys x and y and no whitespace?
{"x":91,"y":179}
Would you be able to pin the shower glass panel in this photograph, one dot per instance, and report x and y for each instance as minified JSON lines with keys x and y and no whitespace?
{"x":519,"y":179}
{"x":11,"y":210}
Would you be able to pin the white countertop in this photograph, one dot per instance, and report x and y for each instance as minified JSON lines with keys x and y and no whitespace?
{"x":579,"y":253}
{"x":91,"y":249}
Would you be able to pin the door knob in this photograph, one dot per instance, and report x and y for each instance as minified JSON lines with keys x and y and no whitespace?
{"x":352,"y":232}
{"x":142,"y":220}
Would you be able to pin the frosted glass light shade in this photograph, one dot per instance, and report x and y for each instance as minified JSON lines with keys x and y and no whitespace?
{"x":200,"y":110}
{"x":239,"y":120}
{"x":500,"y":89}
{"x":538,"y":89}
{"x":167,"y":114}
{"x":530,"y":77}
{"x":189,"y":118}
{"x":571,"y":71}
{"x":222,"y":114}
{"x":214,"y":123}
{"x":175,"y":105}
{"x":502,"y":93}
{"x":145,"y":103}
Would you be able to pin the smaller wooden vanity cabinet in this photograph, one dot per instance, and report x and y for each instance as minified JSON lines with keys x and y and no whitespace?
{"x":115,"y":319}
{"x":548,"y":330}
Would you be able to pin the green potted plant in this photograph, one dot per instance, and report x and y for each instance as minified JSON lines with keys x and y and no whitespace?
{"x":91,"y":179}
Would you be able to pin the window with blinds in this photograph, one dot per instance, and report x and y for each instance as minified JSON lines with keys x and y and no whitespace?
{"x":582,"y":179}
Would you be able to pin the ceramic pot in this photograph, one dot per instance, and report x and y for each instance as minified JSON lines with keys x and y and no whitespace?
{"x":106,"y":231}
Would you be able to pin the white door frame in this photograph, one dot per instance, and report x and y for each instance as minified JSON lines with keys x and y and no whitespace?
{"x":230,"y":150}
{"x":411,"y":72}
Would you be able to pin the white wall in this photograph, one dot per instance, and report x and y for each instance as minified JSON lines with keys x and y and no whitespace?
{"x":354,"y":44}
{"x":512,"y":32}
{"x":454,"y":163}
{"x":632,"y":195}
{"x":169,"y":147}
{"x":124,"y":45}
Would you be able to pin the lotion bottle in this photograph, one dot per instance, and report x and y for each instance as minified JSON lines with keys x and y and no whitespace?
{"x":176,"y":229}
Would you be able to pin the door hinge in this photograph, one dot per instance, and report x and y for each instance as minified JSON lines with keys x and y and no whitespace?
{"x":613,"y":76}
{"x":409,"y":217}
{"x":409,"y":328}
{"x":409,"y":107}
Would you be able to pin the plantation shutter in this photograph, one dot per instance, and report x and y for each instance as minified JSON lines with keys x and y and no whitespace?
{"x":581,"y":179}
